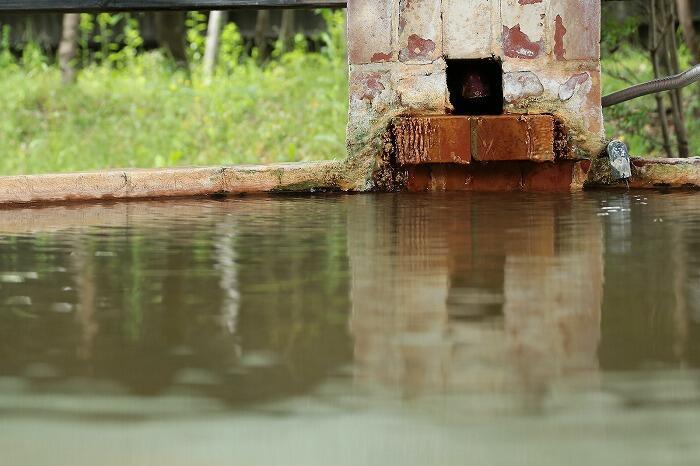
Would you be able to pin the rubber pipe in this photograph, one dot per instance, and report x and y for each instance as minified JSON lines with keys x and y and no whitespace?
{"x":652,"y":87}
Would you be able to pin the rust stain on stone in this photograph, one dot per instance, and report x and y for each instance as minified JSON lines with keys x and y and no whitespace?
{"x":517,"y":44}
{"x":381,"y":57}
{"x":418,"y":47}
{"x":372,"y":86}
{"x":388,"y":176}
{"x":562,"y":148}
{"x":559,"y":33}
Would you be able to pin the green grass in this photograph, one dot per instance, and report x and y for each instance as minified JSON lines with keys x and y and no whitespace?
{"x":141,"y":111}
{"x":147,"y":115}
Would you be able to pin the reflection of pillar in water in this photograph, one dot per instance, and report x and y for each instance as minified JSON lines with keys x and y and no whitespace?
{"x":458,"y":295}
{"x":85,"y":287}
{"x":553,"y":293}
{"x":399,"y":292}
{"x":226,"y":266}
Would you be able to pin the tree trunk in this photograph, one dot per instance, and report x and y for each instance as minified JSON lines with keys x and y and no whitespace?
{"x":261,"y":27}
{"x":654,"y":44}
{"x":170,"y":34}
{"x":216,"y":20}
{"x":68,"y":48}
{"x":685,"y":17}
{"x":673,"y":66}
{"x":287,"y":30}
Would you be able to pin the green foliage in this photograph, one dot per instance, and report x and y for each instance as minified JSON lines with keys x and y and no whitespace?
{"x":7,"y":59}
{"x":231,"y":49}
{"x":618,"y":32}
{"x":626,"y":61}
{"x":333,"y":38}
{"x":86,"y":27}
{"x":196,"y":36}
{"x":132,"y":108}
{"x":635,"y":121}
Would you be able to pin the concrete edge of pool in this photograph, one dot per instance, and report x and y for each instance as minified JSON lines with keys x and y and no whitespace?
{"x":284,"y":177}
{"x":172,"y":182}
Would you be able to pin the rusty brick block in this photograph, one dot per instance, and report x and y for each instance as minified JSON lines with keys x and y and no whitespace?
{"x":559,"y":176}
{"x":571,"y":95}
{"x":511,"y":137}
{"x":563,"y":176}
{"x":502,"y":177}
{"x":432,"y":139}
{"x":461,"y":139}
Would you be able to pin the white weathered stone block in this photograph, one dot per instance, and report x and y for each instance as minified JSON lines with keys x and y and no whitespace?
{"x":420,"y":31}
{"x":469,"y":30}
{"x":370,"y":31}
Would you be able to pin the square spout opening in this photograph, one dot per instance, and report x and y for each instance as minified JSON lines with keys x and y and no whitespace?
{"x":475,"y":86}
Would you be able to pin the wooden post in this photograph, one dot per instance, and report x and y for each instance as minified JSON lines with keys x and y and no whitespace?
{"x":68,"y":48}
{"x":261,"y":27}
{"x":170,"y":32}
{"x":287,"y":30}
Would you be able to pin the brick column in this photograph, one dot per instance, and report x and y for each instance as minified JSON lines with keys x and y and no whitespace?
{"x":399,"y":49}
{"x":551,"y":63}
{"x":396,"y":66}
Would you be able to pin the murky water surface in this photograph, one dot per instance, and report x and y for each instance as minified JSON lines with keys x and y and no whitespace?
{"x":353,"y":330}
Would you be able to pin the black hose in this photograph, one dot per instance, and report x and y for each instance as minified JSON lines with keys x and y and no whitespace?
{"x":652,"y":87}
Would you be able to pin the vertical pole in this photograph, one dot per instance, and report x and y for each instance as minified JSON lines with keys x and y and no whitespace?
{"x":216,"y":20}
{"x":68,"y":48}
{"x":287,"y":30}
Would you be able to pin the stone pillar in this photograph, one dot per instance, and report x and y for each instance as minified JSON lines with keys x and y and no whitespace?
{"x":396,"y":66}
{"x":551,"y":64}
{"x":399,"y":51}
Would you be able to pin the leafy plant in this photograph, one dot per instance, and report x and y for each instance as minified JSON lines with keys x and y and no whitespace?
{"x":134,"y":108}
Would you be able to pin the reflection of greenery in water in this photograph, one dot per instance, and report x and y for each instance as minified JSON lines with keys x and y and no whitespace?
{"x":652,"y":269}
{"x":155,"y":318}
